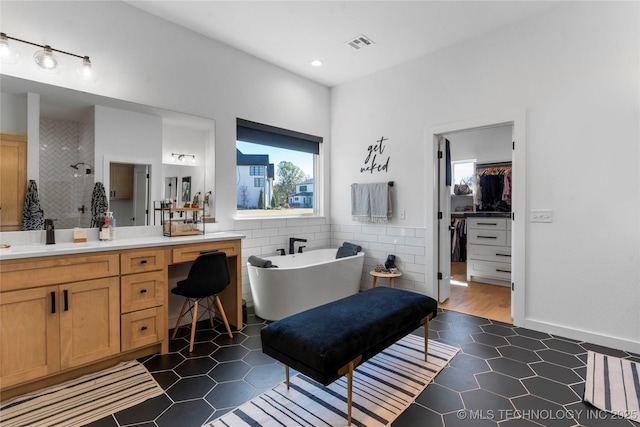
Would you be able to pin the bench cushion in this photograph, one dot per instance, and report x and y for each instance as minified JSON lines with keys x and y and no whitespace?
{"x":320,"y":341}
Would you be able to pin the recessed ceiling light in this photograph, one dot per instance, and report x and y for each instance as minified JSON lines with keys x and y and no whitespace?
{"x":316,"y":63}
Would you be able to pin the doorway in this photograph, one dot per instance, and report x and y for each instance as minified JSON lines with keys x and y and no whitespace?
{"x":444,"y":271}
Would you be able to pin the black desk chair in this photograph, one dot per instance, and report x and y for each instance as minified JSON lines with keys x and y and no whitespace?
{"x":208,"y":276}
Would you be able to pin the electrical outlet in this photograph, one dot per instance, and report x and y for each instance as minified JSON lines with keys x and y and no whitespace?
{"x":541,"y":215}
{"x":402,"y":214}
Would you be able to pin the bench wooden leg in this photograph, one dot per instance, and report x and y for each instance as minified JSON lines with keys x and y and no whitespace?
{"x":425,"y":324}
{"x":286,"y":373}
{"x":348,"y":371}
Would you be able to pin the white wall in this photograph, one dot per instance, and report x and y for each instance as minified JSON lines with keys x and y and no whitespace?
{"x":13,"y":113}
{"x":484,"y":145}
{"x":575,"y":73}
{"x":128,"y":137}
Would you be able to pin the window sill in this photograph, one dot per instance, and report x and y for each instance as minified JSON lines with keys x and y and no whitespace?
{"x":277,"y":216}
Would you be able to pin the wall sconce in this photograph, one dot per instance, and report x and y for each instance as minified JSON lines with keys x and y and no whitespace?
{"x":45,"y":59}
{"x":183,"y":157}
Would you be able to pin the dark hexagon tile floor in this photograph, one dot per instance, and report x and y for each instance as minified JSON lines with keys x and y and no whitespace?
{"x":504,"y":376}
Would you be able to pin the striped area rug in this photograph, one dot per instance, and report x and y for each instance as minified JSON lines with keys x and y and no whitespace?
{"x":613,"y":385}
{"x":82,"y":400}
{"x":383,"y":387}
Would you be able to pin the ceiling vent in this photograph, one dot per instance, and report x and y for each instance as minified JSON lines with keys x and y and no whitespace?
{"x":360,"y":42}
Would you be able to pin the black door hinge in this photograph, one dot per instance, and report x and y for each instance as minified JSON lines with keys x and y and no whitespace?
{"x":513,"y":286}
{"x":439,"y":154}
{"x":439,"y":276}
{"x":439,"y":215}
{"x":513,"y":145}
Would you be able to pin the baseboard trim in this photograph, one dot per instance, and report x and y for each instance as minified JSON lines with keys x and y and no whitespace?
{"x":582,"y":335}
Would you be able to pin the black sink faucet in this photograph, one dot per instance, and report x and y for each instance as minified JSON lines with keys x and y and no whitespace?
{"x":292,"y":241}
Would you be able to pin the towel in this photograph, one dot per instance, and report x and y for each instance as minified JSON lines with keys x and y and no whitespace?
{"x":347,"y":250}
{"x":356,"y":248}
{"x":99,"y":204}
{"x":371,"y":202}
{"x":259,"y":262}
{"x":32,"y":214}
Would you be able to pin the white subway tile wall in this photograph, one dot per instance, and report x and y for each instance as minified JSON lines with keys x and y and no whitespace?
{"x":264,"y":237}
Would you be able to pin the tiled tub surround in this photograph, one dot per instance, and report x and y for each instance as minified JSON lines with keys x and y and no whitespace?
{"x":264,"y":237}
{"x":503,"y":376}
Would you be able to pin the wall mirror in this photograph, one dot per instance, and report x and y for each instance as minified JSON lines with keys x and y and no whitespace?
{"x":76,"y":139}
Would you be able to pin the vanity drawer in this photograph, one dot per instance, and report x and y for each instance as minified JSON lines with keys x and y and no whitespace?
{"x":140,"y":291}
{"x":19,"y":274}
{"x":487,"y":223}
{"x":191,"y":252}
{"x":142,"y":328}
{"x":487,"y":237}
{"x":140,"y":261}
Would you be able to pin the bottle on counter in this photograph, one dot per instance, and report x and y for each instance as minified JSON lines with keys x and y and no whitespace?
{"x":105,"y":230}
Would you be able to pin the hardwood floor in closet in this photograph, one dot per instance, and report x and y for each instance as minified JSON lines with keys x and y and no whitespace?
{"x":478,"y":299}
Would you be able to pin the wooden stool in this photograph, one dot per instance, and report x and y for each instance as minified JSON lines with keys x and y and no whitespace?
{"x":390,"y":276}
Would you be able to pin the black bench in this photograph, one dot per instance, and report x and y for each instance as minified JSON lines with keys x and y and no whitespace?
{"x":329,"y":341}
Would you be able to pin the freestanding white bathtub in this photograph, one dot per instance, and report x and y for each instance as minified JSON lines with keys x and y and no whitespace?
{"x":303,"y":281}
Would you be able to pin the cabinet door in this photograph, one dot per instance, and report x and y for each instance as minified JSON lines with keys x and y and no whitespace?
{"x":121,"y":181}
{"x":89,"y":321}
{"x":29,"y":334}
{"x":13,"y":181}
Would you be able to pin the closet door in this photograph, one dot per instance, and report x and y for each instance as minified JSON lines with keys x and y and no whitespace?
{"x":444,"y":224}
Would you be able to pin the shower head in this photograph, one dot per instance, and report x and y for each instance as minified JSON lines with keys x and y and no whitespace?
{"x":87,"y":170}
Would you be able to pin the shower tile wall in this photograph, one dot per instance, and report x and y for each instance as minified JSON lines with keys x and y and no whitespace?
{"x":263,"y":237}
{"x":61,"y":192}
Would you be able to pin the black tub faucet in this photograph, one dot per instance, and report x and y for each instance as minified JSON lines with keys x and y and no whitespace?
{"x":292,"y":241}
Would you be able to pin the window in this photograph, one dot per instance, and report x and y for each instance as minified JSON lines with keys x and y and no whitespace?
{"x":463,"y":174}
{"x":275,"y":170}
{"x":256,"y":170}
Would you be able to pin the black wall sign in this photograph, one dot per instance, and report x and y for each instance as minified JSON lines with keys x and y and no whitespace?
{"x":373,"y":161}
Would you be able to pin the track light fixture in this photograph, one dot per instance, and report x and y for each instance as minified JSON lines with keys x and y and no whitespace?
{"x":45,"y":59}
{"x":183,"y":157}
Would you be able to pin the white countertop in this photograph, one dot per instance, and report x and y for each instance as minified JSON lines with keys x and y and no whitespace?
{"x":32,"y":250}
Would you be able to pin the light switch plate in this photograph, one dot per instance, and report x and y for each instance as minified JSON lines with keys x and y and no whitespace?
{"x":541,"y":215}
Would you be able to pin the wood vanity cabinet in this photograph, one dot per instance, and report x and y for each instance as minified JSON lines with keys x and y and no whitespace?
{"x":62,"y":316}
{"x":52,"y":323}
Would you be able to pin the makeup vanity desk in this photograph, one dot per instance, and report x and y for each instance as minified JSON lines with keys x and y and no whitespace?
{"x":73,"y":308}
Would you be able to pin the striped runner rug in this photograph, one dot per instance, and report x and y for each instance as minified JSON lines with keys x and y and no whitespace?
{"x":83,"y":400}
{"x":613,"y":385}
{"x":383,"y":387}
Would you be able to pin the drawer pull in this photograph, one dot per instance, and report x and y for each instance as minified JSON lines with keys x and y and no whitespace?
{"x":208,"y":252}
{"x":503,"y":271}
{"x":144,"y":261}
{"x":66,"y":300}
{"x":143,"y":291}
{"x":487,"y":237}
{"x":144,"y":328}
{"x":488,"y":223}
{"x":53,"y":302}
{"x":508,"y":255}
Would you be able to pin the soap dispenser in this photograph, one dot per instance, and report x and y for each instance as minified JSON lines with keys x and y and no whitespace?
{"x":50,"y":231}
